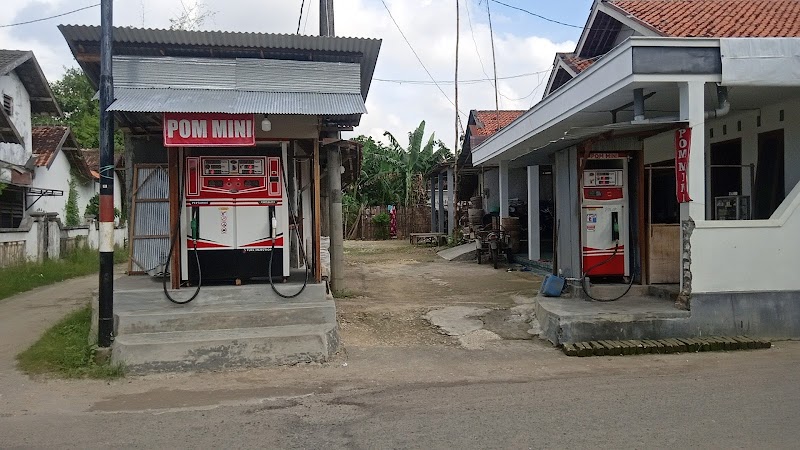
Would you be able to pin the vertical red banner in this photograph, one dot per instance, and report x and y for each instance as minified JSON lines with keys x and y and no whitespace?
{"x":683,"y":140}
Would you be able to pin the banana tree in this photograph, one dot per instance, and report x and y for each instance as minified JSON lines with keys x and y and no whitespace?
{"x":416,"y":159}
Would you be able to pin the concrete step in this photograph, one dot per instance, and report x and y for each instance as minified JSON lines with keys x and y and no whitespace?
{"x":251,"y":314}
{"x":221,"y":349}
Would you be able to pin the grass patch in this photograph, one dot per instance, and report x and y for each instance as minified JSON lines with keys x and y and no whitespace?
{"x":28,"y":275}
{"x":64,"y":351}
{"x":345,"y":293}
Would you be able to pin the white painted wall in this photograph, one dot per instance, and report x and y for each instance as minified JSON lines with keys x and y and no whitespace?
{"x":747,"y":256}
{"x":490,"y":180}
{"x":57,"y":177}
{"x":16,"y":154}
{"x":28,"y":232}
{"x":754,"y":255}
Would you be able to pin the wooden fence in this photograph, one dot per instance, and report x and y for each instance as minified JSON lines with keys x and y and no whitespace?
{"x":12,"y":253}
{"x":411,"y":219}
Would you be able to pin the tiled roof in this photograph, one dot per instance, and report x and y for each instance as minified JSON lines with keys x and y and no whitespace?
{"x":576,"y":63}
{"x":47,"y":141}
{"x":717,"y":18}
{"x":489,"y":122}
{"x":92,"y":158}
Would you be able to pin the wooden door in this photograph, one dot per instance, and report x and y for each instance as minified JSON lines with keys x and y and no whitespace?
{"x":663,"y":225}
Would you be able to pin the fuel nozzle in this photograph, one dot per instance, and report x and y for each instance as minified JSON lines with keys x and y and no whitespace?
{"x":274,"y":223}
{"x":193,"y":225}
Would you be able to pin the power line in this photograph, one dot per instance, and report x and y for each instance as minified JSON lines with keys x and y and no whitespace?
{"x":300,"y":19}
{"x":417,"y":56}
{"x":308,"y":13}
{"x":472,"y":81}
{"x":50,"y":17}
{"x":537,"y":15}
{"x":474,"y":41}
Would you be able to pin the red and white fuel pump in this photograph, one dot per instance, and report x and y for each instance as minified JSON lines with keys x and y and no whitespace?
{"x":235,"y":214}
{"x":605,"y":227}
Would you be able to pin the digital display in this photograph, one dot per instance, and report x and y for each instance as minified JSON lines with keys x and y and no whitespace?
{"x":244,"y":166}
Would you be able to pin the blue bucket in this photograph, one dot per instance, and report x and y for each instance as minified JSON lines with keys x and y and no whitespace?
{"x":552,"y":286}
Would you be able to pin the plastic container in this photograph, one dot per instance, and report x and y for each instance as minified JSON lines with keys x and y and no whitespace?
{"x":552,"y":286}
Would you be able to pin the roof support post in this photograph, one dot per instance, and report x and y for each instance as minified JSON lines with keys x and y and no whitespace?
{"x":440,"y":228}
{"x":451,"y":207}
{"x":692,"y":110}
{"x":433,"y":204}
{"x":534,"y":244}
{"x":638,"y":105}
{"x":503,"y":188}
{"x":336,"y":227}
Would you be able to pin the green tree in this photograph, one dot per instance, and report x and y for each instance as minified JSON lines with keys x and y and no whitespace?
{"x":74,"y":93}
{"x":417,"y":159}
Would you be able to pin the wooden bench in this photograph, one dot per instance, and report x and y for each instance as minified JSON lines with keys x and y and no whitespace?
{"x":430,"y":238}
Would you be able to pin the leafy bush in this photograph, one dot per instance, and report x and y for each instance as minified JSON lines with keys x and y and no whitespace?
{"x":93,"y":207}
{"x":71,"y":213}
{"x":381,"y":222}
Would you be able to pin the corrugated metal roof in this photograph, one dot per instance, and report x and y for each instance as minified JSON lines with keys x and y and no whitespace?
{"x":243,"y":74}
{"x":235,"y":102}
{"x":134,"y":38}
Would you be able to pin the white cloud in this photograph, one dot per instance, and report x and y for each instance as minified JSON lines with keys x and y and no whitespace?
{"x":398,"y":108}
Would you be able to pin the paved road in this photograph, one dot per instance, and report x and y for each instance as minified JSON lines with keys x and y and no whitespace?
{"x":514,"y":395}
{"x":405,"y":393}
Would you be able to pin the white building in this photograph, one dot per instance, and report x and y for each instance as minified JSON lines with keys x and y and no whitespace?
{"x":25,"y":93}
{"x":642,"y":71}
{"x":59,"y":162}
{"x":40,"y":168}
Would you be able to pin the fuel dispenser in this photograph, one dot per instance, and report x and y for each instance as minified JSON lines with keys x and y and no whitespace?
{"x":236,"y":216}
{"x":604,"y":205}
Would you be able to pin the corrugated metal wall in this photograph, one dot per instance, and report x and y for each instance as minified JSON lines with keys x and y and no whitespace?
{"x":150,"y":235}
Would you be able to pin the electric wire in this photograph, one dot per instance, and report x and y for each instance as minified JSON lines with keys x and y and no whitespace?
{"x":537,"y":15}
{"x":474,"y":41}
{"x":49,"y":17}
{"x":437,"y":84}
{"x":308,"y":13}
{"x":470,"y":81}
{"x":300,"y":19}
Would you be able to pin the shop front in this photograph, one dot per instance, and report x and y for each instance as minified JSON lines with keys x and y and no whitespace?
{"x":227,"y":137}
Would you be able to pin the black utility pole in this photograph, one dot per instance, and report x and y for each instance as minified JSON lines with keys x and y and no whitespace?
{"x":326,"y":18}
{"x":105,"y":326}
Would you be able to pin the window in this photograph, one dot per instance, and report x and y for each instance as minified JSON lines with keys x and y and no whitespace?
{"x":8,"y":104}
{"x":12,"y":207}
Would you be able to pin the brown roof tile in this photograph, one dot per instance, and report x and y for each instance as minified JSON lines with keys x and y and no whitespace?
{"x":488,"y":123}
{"x":717,"y":18}
{"x":575,"y":62}
{"x":46,"y":142}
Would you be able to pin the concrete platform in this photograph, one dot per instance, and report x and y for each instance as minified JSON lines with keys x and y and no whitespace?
{"x":639,"y":315}
{"x":225,"y":326}
{"x":463,"y":252}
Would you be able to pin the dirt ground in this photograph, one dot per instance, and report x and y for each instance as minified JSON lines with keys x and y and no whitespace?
{"x":391,"y":285}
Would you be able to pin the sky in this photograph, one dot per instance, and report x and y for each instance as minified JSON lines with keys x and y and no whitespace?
{"x":525,"y":46}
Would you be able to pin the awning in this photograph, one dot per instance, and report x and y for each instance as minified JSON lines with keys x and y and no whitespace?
{"x":158,"y":100}
{"x":576,"y":135}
